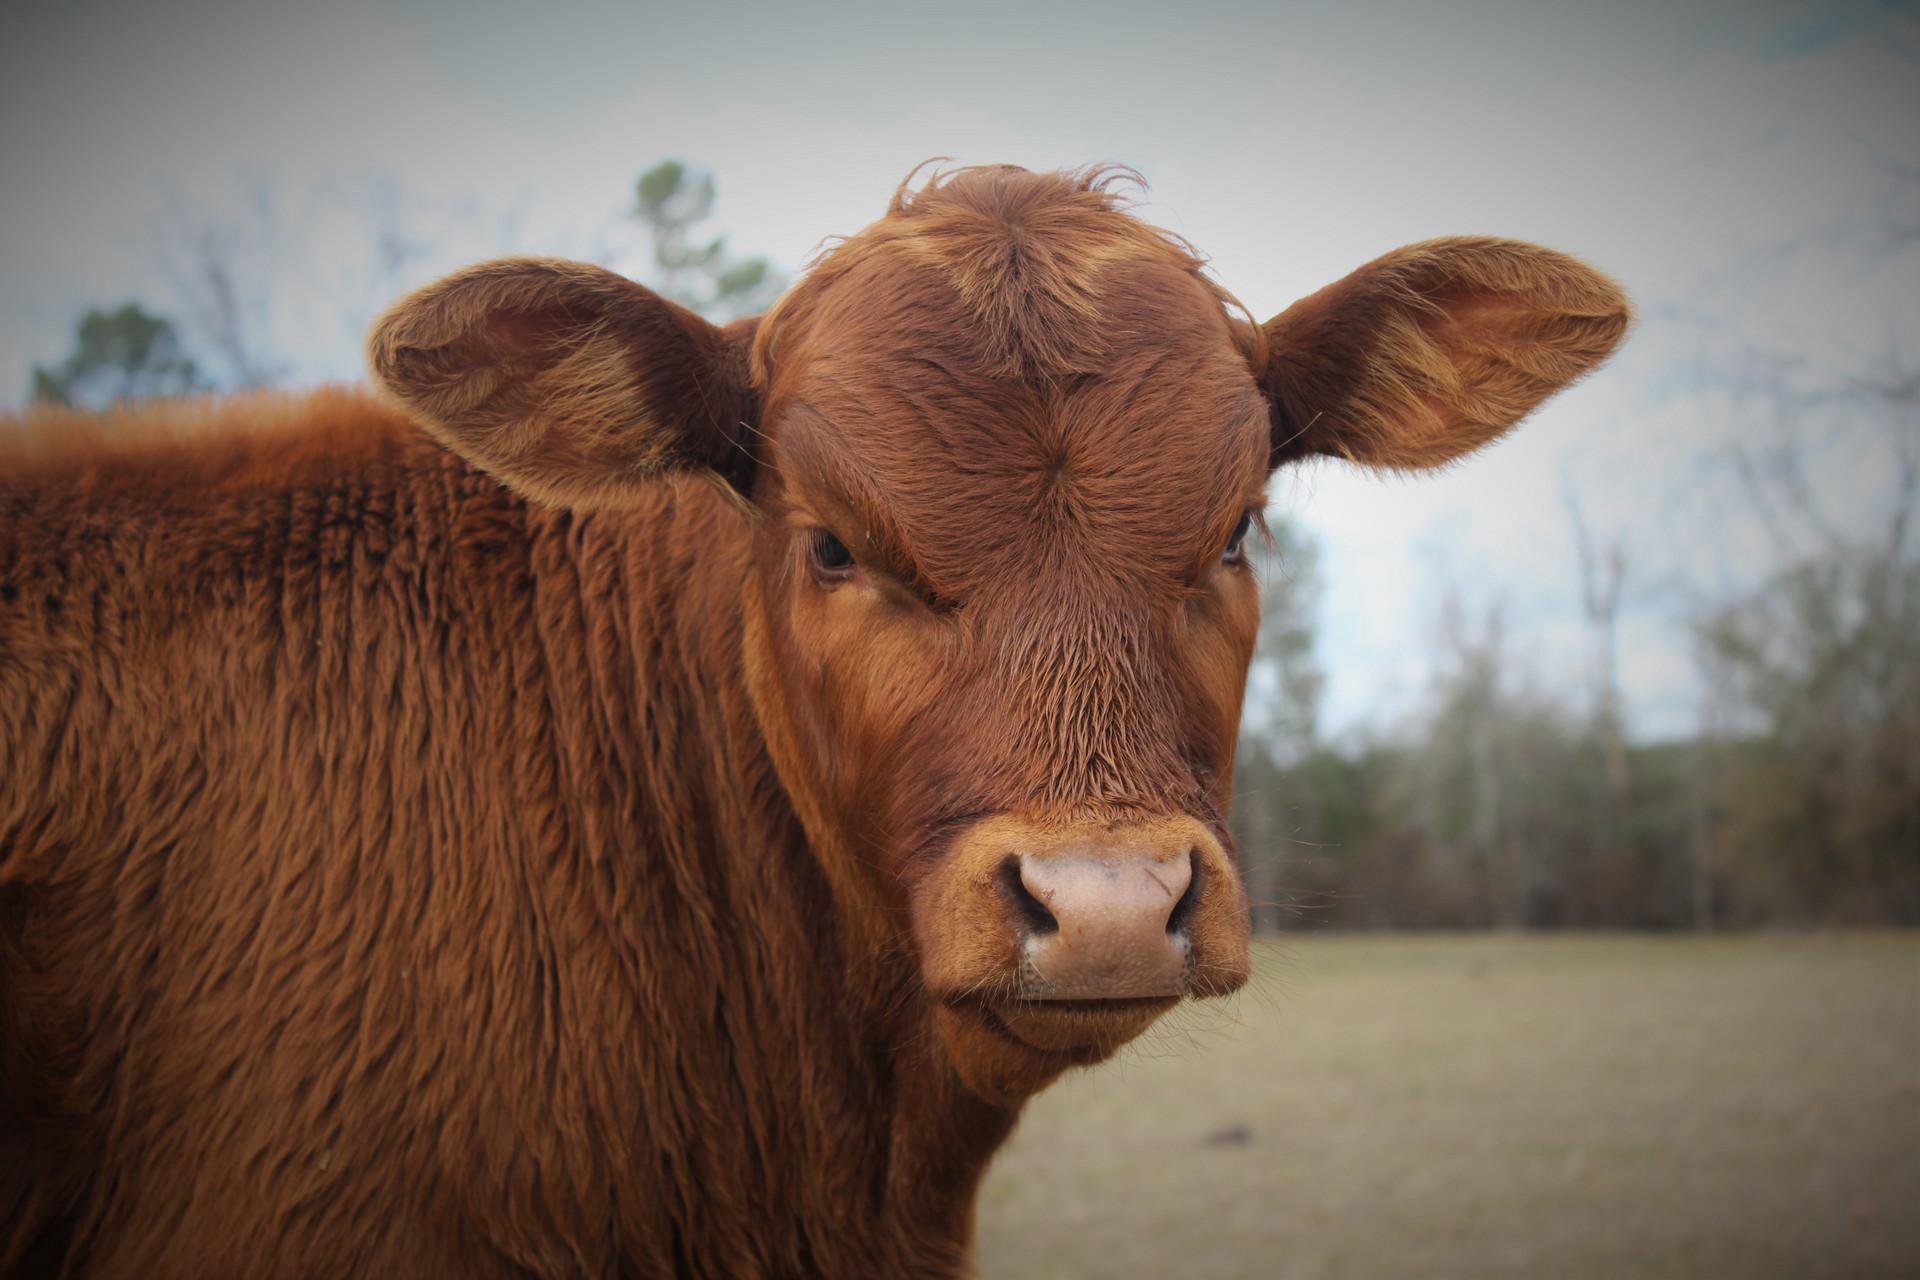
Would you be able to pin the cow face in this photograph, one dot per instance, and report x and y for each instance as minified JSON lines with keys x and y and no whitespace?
{"x":1004,"y":450}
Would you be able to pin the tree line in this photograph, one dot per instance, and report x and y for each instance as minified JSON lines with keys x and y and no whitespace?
{"x":1502,"y":804}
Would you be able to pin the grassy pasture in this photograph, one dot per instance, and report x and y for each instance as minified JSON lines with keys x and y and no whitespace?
{"x":1490,"y":1106}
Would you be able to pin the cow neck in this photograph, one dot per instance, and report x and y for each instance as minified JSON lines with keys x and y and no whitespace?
{"x":689,"y":630}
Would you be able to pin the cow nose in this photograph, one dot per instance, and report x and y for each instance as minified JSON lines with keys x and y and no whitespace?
{"x":1106,"y":924}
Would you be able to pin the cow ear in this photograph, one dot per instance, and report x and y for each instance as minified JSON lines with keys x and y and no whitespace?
{"x":568,"y":383}
{"x":1428,"y":353}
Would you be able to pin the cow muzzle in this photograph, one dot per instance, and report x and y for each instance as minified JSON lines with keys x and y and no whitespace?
{"x":1049,"y":946}
{"x":1100,"y":919}
{"x":1042,"y":920}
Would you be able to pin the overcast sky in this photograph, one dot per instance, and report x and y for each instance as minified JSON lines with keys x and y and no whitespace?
{"x":1728,"y":160}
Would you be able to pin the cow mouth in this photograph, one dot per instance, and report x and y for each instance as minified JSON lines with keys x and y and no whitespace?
{"x":1005,"y":1047}
{"x":1085,"y":1030}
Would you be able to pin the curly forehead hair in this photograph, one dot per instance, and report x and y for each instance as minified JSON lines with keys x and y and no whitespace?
{"x":1026,"y":254}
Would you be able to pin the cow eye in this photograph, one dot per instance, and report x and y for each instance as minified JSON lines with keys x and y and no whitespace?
{"x":1236,"y":552}
{"x":832,"y":562}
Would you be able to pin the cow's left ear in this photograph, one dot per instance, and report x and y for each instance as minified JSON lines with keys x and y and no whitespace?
{"x":567,"y":382}
{"x":1430,"y":352}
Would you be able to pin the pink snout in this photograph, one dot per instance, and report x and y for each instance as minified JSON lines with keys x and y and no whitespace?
{"x":1105,"y":921}
{"x":1051,"y":919}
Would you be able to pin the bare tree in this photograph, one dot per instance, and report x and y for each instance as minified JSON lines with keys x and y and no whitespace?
{"x":324,"y":262}
{"x":1280,"y":728}
{"x":1820,"y":661}
{"x":223,"y":271}
{"x":1603,"y":574}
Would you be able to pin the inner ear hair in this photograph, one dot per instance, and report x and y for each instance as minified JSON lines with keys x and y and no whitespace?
{"x":1432,"y":351}
{"x":568,"y":382}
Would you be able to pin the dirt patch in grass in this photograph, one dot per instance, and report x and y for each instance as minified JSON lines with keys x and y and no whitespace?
{"x":1489,"y":1106}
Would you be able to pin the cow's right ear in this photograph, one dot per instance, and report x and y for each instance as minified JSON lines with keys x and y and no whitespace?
{"x":568,"y":383}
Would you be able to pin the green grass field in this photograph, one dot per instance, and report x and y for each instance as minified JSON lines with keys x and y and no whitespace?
{"x":1557,"y":1107}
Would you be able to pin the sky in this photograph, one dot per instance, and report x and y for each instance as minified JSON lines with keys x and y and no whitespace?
{"x":1732,"y":162}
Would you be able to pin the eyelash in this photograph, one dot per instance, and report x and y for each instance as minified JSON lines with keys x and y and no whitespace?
{"x":830,"y":558}
{"x":1236,"y":548}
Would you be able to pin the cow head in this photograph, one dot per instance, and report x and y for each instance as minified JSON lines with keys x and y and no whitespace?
{"x":1000,"y":456}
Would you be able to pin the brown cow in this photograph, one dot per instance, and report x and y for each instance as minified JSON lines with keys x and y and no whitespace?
{"x":672,"y":827}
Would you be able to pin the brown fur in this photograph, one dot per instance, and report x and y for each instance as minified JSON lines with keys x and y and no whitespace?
{"x":400,"y":877}
{"x":1434,"y":350}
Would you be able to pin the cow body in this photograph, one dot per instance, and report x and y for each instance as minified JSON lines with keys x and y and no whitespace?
{"x":649,"y":799}
{"x":346,"y":789}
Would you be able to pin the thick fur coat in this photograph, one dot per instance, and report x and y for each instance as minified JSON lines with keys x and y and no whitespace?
{"x":563,"y":816}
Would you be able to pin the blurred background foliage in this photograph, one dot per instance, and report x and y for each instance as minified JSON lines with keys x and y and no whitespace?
{"x":125,"y":353}
{"x":1503,"y":800}
{"x":672,"y":201}
{"x":1502,"y":803}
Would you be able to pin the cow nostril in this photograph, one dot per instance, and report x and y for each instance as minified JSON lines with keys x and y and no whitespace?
{"x":1183,"y":910}
{"x":1033,"y":913}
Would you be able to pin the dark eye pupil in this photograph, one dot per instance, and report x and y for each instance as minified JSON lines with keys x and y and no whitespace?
{"x":1239,"y":535}
{"x":831,"y":553}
